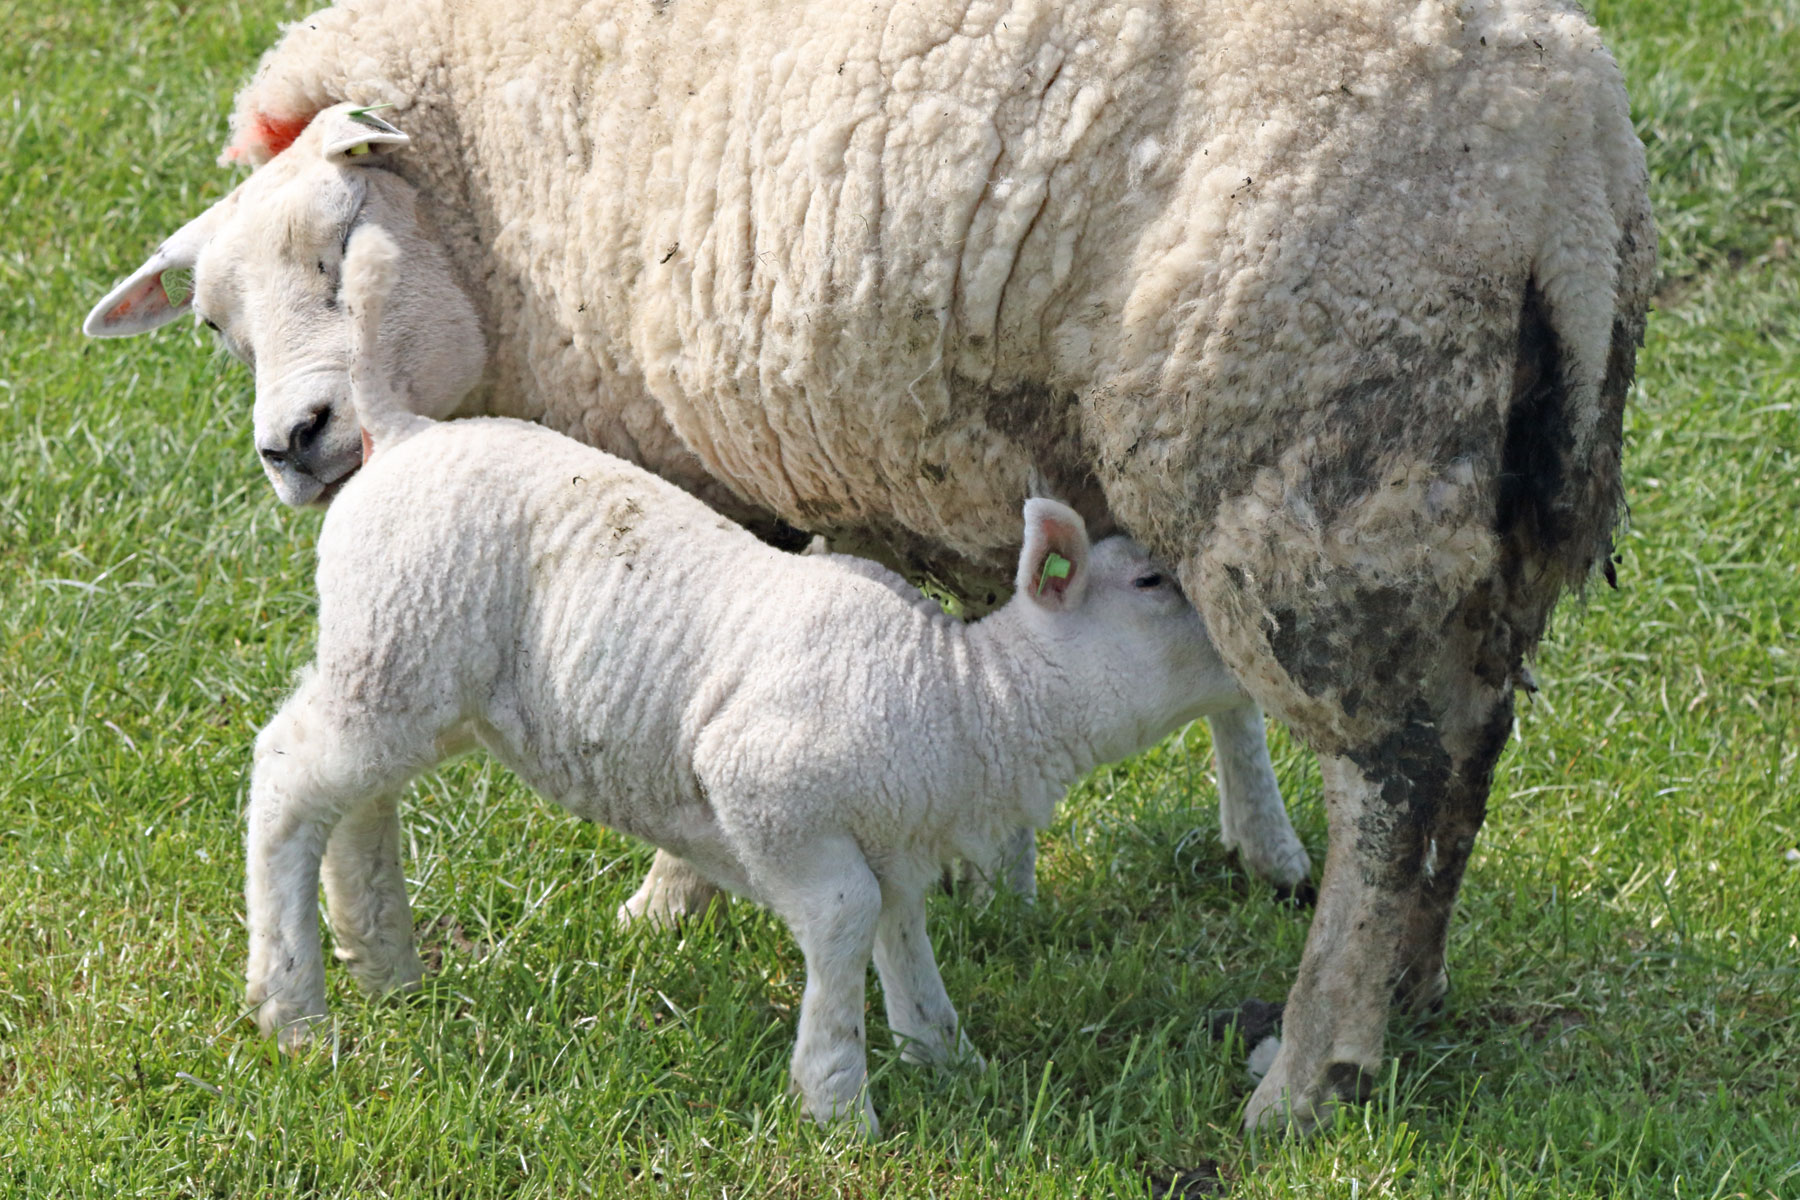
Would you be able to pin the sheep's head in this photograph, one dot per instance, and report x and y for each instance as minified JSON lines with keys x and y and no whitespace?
{"x":263,"y":268}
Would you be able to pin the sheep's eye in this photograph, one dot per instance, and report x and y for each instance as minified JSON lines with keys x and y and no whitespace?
{"x":211,"y":324}
{"x":1146,"y":582}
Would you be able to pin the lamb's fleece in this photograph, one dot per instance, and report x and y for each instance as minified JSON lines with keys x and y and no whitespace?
{"x":799,"y":728}
{"x":1240,"y":276}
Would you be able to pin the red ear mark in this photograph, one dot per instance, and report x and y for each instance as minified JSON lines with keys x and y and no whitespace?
{"x":151,"y":291}
{"x":265,"y":136}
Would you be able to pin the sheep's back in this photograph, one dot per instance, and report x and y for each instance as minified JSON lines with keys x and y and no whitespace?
{"x":868,"y":266}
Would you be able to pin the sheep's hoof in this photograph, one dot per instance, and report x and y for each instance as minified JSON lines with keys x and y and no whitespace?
{"x":1283,"y":1104}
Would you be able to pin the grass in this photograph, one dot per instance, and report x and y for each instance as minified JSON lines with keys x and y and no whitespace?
{"x":1627,"y":954}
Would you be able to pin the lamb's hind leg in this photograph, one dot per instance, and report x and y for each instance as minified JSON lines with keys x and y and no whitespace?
{"x":365,"y":899}
{"x":671,"y":891}
{"x":1253,"y":819}
{"x":919,"y":1011}
{"x":831,"y":900}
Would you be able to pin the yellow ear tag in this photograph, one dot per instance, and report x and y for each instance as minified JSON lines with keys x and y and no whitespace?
{"x":356,"y":150}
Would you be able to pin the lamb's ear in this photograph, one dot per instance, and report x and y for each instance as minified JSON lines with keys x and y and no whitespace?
{"x":1053,"y":569}
{"x":350,"y":134}
{"x":149,"y":297}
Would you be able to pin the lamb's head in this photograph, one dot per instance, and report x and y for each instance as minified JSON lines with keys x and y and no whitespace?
{"x":263,"y":267}
{"x":1112,"y":628}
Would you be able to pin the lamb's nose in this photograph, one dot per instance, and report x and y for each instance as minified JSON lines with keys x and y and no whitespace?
{"x":301,"y":439}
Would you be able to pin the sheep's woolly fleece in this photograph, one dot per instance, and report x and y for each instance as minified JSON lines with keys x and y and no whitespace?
{"x":1253,"y":281}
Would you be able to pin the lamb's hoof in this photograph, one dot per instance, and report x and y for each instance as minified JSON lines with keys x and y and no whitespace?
{"x":963,"y":1056}
{"x":388,"y":979}
{"x":655,"y":908}
{"x":293,"y":1032}
{"x":856,"y":1116}
{"x":1285,"y":866}
{"x":978,"y":888}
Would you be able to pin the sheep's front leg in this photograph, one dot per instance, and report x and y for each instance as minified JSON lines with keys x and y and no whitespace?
{"x":831,"y":900}
{"x":671,"y":891}
{"x":365,"y":899}
{"x":919,"y":1011}
{"x":1253,"y":820}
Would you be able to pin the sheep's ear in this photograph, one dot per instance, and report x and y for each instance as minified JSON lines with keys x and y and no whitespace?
{"x":353,"y":135}
{"x":1053,"y":569}
{"x":151,"y":296}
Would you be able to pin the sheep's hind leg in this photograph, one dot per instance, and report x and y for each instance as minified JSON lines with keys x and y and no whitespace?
{"x":1253,"y":819}
{"x":314,"y":762}
{"x":365,"y":899}
{"x":830,"y":899}
{"x":919,"y":1011}
{"x":1476,"y":738}
{"x":671,"y":891}
{"x":1336,"y":1014}
{"x":1404,"y":814}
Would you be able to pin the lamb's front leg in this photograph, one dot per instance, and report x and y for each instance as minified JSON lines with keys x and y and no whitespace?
{"x":317,"y":760}
{"x":671,"y":891}
{"x":919,"y":1011}
{"x":289,"y":823}
{"x":831,"y":900}
{"x":1253,"y":819}
{"x":365,"y":899}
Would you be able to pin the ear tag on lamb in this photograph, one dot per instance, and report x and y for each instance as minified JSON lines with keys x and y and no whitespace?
{"x":1055,"y":567}
{"x":178,"y":285}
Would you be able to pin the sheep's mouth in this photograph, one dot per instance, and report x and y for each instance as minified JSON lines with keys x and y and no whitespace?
{"x":329,"y":492}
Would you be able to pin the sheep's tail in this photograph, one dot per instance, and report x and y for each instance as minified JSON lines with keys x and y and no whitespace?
{"x":371,"y":264}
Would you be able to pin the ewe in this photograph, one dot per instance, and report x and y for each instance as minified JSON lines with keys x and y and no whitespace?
{"x":1333,"y":307}
{"x":803,"y":734}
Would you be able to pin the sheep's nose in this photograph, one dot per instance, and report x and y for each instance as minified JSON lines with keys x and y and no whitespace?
{"x":302,"y":437}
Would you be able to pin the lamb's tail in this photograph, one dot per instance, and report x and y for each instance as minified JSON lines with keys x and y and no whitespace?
{"x":371,"y":265}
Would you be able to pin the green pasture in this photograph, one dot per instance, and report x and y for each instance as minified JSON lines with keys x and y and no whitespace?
{"x":1626,"y":957}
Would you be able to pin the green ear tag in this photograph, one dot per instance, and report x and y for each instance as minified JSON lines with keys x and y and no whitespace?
{"x":178,"y":285}
{"x":362,"y":114}
{"x":356,"y":150}
{"x":1055,"y":567}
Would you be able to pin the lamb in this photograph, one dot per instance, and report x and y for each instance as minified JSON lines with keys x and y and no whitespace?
{"x":801,"y":732}
{"x":1332,"y":308}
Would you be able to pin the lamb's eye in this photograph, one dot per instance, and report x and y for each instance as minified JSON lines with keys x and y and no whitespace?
{"x":1152,"y":580}
{"x":211,"y":324}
